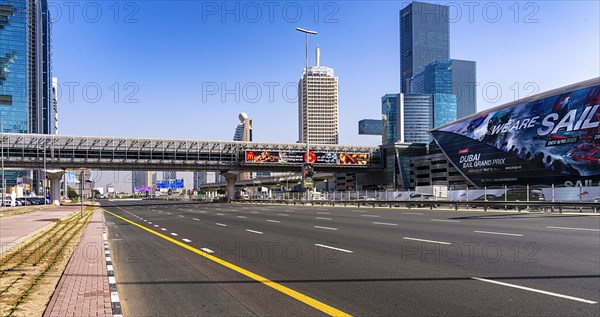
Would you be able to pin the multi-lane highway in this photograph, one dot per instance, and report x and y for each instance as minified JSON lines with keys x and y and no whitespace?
{"x":228,"y":259}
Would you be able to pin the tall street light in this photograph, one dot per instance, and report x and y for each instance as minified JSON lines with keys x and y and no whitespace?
{"x":306,"y":32}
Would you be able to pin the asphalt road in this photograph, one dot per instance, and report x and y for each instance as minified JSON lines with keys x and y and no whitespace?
{"x":296,"y":261}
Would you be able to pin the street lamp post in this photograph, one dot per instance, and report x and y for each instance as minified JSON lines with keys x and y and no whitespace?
{"x":306,"y":33}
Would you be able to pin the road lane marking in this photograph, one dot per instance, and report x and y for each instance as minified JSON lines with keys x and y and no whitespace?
{"x":572,"y":228}
{"x":187,"y":240}
{"x":373,"y":216}
{"x":221,"y":224}
{"x":156,"y":225}
{"x":323,"y":212}
{"x":243,"y":217}
{"x":254,"y":231}
{"x":163,"y":229}
{"x":326,"y":228}
{"x":149,"y":222}
{"x":219,"y":214}
{"x":333,"y":248}
{"x":536,"y":290}
{"x":168,"y":213}
{"x":499,"y":233}
{"x":323,"y":218}
{"x":207,"y":250}
{"x":444,"y":220}
{"x":384,"y":223}
{"x":285,"y":215}
{"x":174,"y":234}
{"x":275,"y":221}
{"x":254,"y":212}
{"x":412,"y":213}
{"x":196,"y":219}
{"x":423,"y":240}
{"x":181,"y":216}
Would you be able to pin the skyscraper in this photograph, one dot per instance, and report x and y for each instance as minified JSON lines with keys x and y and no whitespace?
{"x":243,"y":131}
{"x":26,"y":93}
{"x":418,"y":110}
{"x":424,"y":38}
{"x":436,"y":79}
{"x":390,"y":115}
{"x":318,"y":105}
{"x":464,"y":83}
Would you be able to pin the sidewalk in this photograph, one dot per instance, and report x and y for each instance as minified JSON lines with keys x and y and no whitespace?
{"x":83,"y":289}
{"x":15,"y":228}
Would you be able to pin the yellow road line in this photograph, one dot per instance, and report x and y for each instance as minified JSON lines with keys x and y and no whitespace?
{"x":285,"y":290}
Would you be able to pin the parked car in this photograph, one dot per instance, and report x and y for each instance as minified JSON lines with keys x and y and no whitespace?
{"x":35,"y":200}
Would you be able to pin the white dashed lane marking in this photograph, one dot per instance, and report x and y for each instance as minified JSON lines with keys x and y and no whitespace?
{"x":333,"y":248}
{"x":423,"y":240}
{"x":326,"y":228}
{"x":499,"y":233}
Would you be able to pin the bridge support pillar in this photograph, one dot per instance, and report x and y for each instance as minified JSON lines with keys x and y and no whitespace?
{"x":55,"y":176}
{"x":230,"y":177}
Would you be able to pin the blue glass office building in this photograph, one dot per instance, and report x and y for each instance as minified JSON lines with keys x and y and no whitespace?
{"x":418,"y":117}
{"x":424,"y":38}
{"x":370,"y":127}
{"x":464,"y":84}
{"x":25,"y":70}
{"x":390,"y":112}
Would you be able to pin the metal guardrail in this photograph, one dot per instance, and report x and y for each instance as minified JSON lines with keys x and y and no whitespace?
{"x":431,"y":204}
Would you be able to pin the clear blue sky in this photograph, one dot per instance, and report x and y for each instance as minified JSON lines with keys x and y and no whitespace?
{"x":167,"y":56}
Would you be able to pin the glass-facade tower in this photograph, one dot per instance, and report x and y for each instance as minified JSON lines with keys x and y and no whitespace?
{"x":464,"y":83}
{"x":418,"y":117}
{"x":424,"y":38}
{"x":436,"y":79}
{"x":26,"y":93}
{"x":390,"y":108}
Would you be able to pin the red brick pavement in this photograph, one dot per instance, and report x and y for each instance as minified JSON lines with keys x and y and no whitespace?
{"x":83,"y":289}
{"x":15,"y":227}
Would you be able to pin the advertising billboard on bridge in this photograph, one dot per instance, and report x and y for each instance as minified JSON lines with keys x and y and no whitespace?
{"x":315,"y":157}
{"x":550,"y":140}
